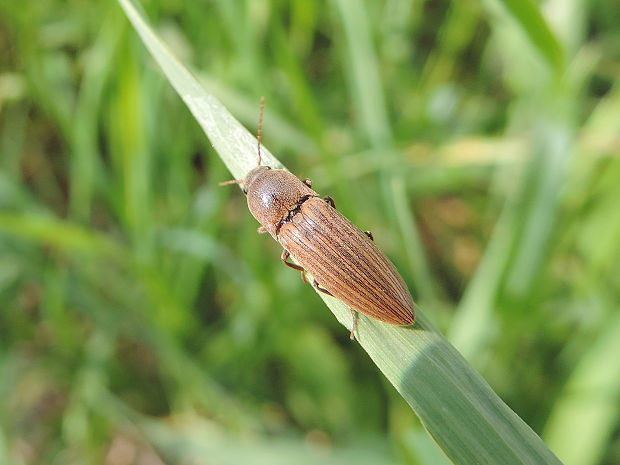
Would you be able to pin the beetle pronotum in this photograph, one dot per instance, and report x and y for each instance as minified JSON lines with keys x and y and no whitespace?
{"x":344,"y":261}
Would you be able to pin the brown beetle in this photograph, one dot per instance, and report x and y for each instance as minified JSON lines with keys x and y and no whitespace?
{"x":343,"y":260}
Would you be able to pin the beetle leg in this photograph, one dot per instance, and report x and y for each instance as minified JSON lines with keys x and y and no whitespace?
{"x":284,"y":258}
{"x":261,"y":230}
{"x":354,"y":316}
{"x":330,"y":201}
{"x":307,"y":182}
{"x":369,"y":234}
{"x":319,"y":288}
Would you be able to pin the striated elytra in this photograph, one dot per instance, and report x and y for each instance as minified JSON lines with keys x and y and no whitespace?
{"x":343,"y":260}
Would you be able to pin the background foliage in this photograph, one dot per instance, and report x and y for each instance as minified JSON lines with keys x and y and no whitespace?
{"x":143,"y":320}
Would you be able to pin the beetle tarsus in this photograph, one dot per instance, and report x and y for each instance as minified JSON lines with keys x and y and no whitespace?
{"x":261,"y":230}
{"x":330,"y":201}
{"x":369,"y":234}
{"x":354,"y":316}
{"x":307,"y":182}
{"x":319,"y":288}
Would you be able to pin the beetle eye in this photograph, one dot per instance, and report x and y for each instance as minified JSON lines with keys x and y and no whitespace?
{"x":268,"y":167}
{"x":245,"y":191}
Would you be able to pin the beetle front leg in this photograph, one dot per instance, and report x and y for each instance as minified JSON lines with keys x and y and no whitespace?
{"x":369,"y":234}
{"x":330,"y":201}
{"x":284,"y":257}
{"x":307,"y":182}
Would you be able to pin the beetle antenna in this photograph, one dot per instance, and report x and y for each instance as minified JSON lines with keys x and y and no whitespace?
{"x":260,"y":127}
{"x":232,"y":181}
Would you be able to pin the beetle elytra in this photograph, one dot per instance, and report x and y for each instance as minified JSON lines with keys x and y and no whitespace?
{"x":343,"y":260}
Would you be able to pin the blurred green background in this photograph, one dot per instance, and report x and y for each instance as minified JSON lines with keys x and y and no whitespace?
{"x":143,"y":320}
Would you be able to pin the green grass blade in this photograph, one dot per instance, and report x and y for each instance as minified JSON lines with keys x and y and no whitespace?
{"x":367,"y":93}
{"x":59,"y":234}
{"x":458,"y":408}
{"x":589,"y":402}
{"x":190,"y":438}
{"x":84,"y":143}
{"x":234,"y":143}
{"x":529,"y":17}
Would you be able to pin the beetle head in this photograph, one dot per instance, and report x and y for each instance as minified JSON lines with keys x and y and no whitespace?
{"x":272,"y":194}
{"x":251,"y":177}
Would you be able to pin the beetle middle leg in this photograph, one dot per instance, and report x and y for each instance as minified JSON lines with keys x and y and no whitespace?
{"x":284,"y":257}
{"x":319,"y":288}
